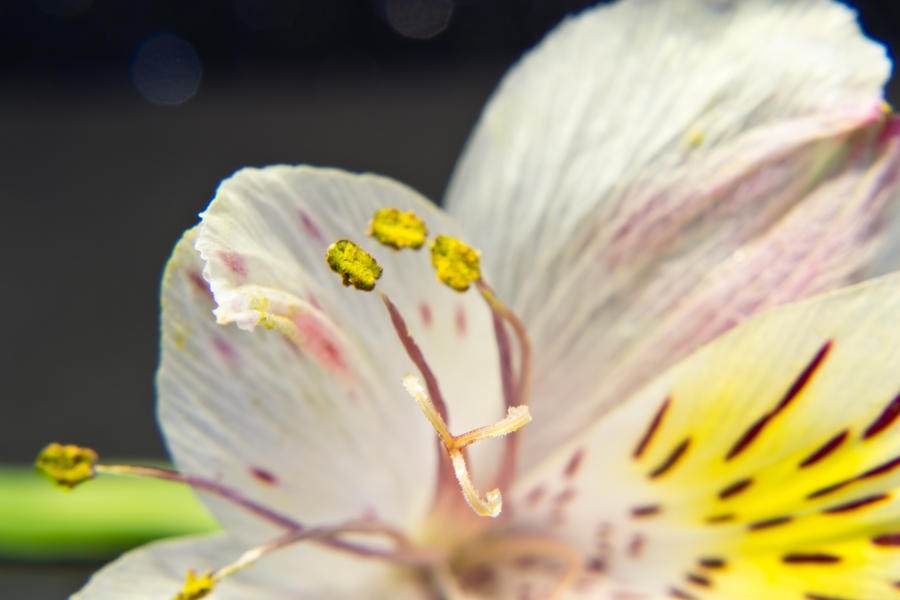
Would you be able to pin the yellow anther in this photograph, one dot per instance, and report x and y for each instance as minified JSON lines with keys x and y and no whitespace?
{"x":397,"y":229}
{"x":355,"y":266}
{"x":66,"y":466}
{"x":886,"y":107}
{"x":196,"y":587}
{"x":456,"y":263}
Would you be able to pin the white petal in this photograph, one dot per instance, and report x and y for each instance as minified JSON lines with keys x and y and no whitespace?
{"x":307,"y":572}
{"x":317,"y":427}
{"x":279,"y":221}
{"x":663,"y":164}
{"x":773,"y":450}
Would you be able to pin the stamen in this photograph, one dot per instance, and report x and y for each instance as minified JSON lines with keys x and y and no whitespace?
{"x":504,"y":359}
{"x":69,"y":465}
{"x":202,"y":484}
{"x":415,"y":355}
{"x":456,"y":264}
{"x":196,"y":587}
{"x":523,"y":389}
{"x":355,"y":266}
{"x":491,"y":503}
{"x":513,"y":394}
{"x":403,"y":553}
{"x":66,"y":466}
{"x":398,"y":230}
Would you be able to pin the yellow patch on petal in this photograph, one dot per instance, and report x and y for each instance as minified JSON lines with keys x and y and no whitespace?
{"x":694,"y":137}
{"x":66,"y":466}
{"x":398,"y":229}
{"x":355,"y":266}
{"x":778,"y":443}
{"x":765,"y":465}
{"x":457,"y":264}
{"x":196,"y":587}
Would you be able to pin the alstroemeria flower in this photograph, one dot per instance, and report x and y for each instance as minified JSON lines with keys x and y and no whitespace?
{"x":650,"y":176}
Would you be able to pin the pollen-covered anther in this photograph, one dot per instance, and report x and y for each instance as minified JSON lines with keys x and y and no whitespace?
{"x":195,"y":587}
{"x":398,"y":229}
{"x":66,"y":465}
{"x":355,"y":266}
{"x":455,"y":263}
{"x":491,"y":503}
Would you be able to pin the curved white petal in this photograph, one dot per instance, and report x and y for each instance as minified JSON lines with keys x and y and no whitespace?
{"x":766,"y":465}
{"x":314,"y":424}
{"x":304,"y":572}
{"x":666,"y":168}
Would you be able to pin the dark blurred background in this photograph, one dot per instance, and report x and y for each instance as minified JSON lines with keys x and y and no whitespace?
{"x":118,"y":119}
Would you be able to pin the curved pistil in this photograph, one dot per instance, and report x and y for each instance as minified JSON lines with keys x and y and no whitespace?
{"x":491,"y":503}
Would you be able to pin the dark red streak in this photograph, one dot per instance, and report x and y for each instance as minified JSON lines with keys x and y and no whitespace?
{"x":724,"y":518}
{"x":826,"y":449}
{"x":788,"y":397}
{"x":881,"y":469}
{"x":712,"y":563}
{"x":645,"y":511}
{"x":818,"y":558}
{"x":885,"y":419}
{"x":887,"y":539}
{"x":856,"y":504}
{"x":735,"y":488}
{"x":770,"y":523}
{"x":698,"y":579}
{"x":673,"y":457}
{"x":654,"y":425}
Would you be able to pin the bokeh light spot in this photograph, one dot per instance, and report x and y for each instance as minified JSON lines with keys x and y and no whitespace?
{"x":166,"y":69}
{"x":418,"y":19}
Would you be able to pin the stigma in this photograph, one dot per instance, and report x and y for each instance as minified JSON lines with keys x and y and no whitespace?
{"x":491,"y":503}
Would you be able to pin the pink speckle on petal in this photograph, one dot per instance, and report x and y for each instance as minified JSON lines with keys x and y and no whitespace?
{"x":636,"y":545}
{"x":535,"y":495}
{"x":460,"y":320}
{"x":425,"y":313}
{"x":319,"y":342}
{"x":226,"y":351}
{"x":564,"y":497}
{"x":311,"y":228}
{"x":263,"y":475}
{"x":235,"y":263}
{"x":199,"y":283}
{"x":313,"y":302}
{"x":574,"y":463}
